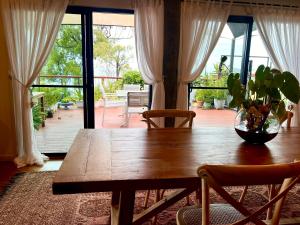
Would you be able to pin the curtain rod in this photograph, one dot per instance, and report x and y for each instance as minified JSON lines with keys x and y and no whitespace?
{"x":258,"y":3}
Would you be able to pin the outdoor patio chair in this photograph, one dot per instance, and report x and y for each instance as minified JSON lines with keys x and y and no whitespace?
{"x":110,"y":100}
{"x":137,"y":103}
{"x":218,"y":176}
{"x":132,"y":87}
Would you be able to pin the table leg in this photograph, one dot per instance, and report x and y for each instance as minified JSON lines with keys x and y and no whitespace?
{"x":122,"y":207}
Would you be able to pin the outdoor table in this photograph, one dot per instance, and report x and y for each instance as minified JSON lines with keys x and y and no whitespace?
{"x":126,"y":160}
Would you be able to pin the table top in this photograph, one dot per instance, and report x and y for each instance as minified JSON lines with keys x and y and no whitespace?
{"x":116,"y":159}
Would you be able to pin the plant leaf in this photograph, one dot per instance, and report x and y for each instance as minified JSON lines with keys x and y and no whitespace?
{"x":251,"y":85}
{"x":274,"y":93}
{"x":259,"y":74}
{"x":230,"y":82}
{"x":278,"y":80}
{"x":290,"y":87}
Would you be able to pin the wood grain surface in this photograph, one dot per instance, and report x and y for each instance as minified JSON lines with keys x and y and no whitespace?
{"x":137,"y":159}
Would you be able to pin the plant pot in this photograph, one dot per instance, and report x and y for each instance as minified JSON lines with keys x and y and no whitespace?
{"x":65,"y":104}
{"x":200,"y":104}
{"x":206,"y":105}
{"x":50,"y":114}
{"x":256,"y":129}
{"x":219,"y":104}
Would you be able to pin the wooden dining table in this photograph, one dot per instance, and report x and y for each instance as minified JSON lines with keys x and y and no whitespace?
{"x":126,"y":160}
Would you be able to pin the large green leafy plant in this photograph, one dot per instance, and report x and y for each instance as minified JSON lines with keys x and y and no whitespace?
{"x":265,"y":94}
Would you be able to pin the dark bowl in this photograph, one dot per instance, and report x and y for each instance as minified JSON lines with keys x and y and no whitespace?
{"x":255,"y":138}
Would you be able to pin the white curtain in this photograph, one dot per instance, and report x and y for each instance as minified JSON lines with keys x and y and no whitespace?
{"x":30,"y":27}
{"x":149,"y":28}
{"x":280,"y":32}
{"x":200,"y":28}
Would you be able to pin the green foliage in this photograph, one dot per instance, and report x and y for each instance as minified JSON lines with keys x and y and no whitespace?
{"x":37,"y":116}
{"x":133,"y":77}
{"x":97,"y":93}
{"x":268,"y":89}
{"x":68,"y":99}
{"x":220,"y":94}
{"x":113,"y":54}
{"x":51,"y":96}
{"x":205,"y":95}
{"x":111,"y":87}
{"x":66,"y":55}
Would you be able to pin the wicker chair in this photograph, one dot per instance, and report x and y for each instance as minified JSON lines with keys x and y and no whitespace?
{"x":218,"y":176}
{"x":187,"y":116}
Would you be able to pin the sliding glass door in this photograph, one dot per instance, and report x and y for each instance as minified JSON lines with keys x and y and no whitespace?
{"x":93,"y":57}
{"x":58,"y":93}
{"x":208,"y":93}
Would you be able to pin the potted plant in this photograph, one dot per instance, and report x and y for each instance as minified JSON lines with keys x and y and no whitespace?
{"x":208,"y":100}
{"x":67,"y":101}
{"x":262,"y":102}
{"x":199,"y":97}
{"x":219,"y":99}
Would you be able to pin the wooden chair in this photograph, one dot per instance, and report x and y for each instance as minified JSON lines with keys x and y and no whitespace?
{"x":187,"y":116}
{"x":288,"y":118}
{"x":218,"y":176}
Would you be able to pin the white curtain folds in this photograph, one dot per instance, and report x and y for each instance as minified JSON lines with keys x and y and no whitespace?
{"x":280,"y":32}
{"x":149,"y":26}
{"x":30,"y":27}
{"x":200,"y":28}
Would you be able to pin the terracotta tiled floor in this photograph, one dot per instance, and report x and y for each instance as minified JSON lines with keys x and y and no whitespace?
{"x":59,"y":132}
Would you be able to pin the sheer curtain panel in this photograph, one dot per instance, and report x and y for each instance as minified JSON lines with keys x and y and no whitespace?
{"x":280,"y":32}
{"x":149,"y":26}
{"x":200,"y":28}
{"x":30,"y":27}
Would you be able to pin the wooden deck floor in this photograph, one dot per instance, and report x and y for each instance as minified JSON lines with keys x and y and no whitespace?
{"x":59,"y":132}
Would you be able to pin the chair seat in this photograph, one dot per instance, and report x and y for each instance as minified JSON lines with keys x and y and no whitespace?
{"x":219,"y":214}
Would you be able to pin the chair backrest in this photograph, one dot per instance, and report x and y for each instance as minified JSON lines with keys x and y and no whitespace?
{"x":131,"y":87}
{"x":288,"y":118}
{"x":137,"y":99}
{"x":217,"y":176}
{"x":187,"y":116}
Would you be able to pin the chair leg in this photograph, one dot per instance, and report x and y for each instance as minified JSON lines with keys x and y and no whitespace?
{"x":272,"y":193}
{"x":146,"y":199}
{"x":157,"y":198}
{"x":103,"y":115}
{"x":242,"y":197}
{"x":187,"y":198}
{"x":198,"y":197}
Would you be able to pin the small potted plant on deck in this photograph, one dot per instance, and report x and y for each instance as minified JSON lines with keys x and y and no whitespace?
{"x":219,"y":99}
{"x":199,"y":97}
{"x":262,"y":103}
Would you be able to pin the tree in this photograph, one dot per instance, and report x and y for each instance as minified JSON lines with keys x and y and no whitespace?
{"x":65,"y":58}
{"x":115,"y":55}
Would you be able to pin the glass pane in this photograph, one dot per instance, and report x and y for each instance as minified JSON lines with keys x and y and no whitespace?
{"x":64,"y":64}
{"x":258,"y":52}
{"x":211,"y":105}
{"x":115,"y":71}
{"x":57,"y":116}
{"x":58,"y":112}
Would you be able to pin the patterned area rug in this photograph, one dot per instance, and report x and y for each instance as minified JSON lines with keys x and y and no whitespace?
{"x":29,"y":200}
